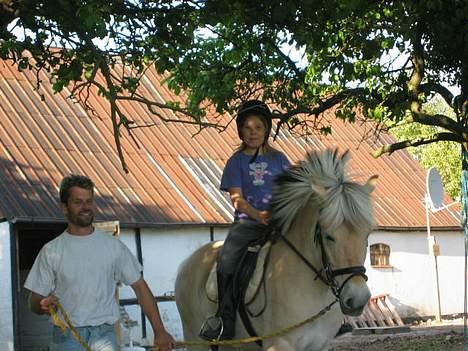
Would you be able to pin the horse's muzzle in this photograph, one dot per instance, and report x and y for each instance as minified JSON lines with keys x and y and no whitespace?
{"x":353,"y":298}
{"x":351,"y":311}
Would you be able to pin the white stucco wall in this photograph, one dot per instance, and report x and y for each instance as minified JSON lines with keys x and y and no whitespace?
{"x":411,"y":280}
{"x":6,"y":309}
{"x":163,"y":251}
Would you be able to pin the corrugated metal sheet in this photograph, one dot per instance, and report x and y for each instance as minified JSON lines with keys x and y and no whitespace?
{"x":174,"y":169}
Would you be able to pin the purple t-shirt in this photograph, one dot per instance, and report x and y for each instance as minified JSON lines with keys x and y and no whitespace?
{"x":255,"y":179}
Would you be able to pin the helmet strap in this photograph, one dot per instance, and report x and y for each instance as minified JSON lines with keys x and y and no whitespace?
{"x":254,"y":157}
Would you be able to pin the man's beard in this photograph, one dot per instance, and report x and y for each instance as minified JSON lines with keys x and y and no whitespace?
{"x":81,"y":221}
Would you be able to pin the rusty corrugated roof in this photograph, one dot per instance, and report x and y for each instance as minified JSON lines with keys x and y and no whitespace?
{"x":174,"y":169}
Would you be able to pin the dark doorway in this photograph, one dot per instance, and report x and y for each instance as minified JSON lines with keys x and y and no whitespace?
{"x":32,"y":332}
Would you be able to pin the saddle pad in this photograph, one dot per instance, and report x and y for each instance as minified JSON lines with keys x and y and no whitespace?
{"x":211,"y":286}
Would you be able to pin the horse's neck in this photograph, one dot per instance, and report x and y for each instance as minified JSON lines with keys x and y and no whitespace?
{"x":301,"y":233}
{"x":289,"y":266}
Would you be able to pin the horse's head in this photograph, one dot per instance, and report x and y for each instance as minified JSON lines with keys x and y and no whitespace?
{"x":344,"y":220}
{"x":344,"y":225}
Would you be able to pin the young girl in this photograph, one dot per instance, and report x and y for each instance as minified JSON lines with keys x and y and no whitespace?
{"x":248,"y":177}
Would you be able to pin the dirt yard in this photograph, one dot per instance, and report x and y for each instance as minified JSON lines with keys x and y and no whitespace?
{"x":446,"y":336}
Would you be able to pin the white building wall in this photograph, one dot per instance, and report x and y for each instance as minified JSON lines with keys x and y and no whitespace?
{"x":6,"y":301}
{"x":411,"y":279}
{"x":163,"y":251}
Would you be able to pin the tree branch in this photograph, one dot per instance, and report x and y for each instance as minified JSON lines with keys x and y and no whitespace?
{"x":114,"y":110}
{"x":291,"y":64}
{"x":390,"y":148}
{"x":323,"y":105}
{"x":438,"y":120}
{"x":439,"y":89}
{"x":414,"y":83}
{"x":152,"y":104}
{"x":7,"y":13}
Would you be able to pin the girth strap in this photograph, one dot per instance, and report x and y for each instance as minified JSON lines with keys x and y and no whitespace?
{"x":247,"y":323}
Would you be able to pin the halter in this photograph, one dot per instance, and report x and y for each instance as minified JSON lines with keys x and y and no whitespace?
{"x":330,"y":274}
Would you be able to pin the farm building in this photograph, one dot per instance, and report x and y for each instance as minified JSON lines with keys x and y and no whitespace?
{"x":169,"y":203}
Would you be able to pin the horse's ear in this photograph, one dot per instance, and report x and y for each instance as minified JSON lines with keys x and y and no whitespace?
{"x":371,"y":183}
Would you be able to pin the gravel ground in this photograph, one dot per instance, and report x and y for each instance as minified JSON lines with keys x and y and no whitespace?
{"x":445,"y":336}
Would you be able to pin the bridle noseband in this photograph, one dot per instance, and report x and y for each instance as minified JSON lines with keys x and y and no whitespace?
{"x":330,"y":274}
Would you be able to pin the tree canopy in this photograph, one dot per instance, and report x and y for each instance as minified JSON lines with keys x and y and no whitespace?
{"x":445,"y":156}
{"x":374,"y":59}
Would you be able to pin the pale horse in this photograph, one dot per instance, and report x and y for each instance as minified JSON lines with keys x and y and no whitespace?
{"x":323,"y":217}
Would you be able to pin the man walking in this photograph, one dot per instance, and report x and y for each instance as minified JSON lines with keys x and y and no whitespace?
{"x":80,"y":269}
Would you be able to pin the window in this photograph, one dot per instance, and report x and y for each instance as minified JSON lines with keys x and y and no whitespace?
{"x":380,"y":255}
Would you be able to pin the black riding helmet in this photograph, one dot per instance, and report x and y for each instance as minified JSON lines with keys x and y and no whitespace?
{"x":253,"y":107}
{"x":257,"y":108}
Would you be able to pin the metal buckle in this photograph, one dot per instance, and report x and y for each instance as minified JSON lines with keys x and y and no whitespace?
{"x":212,"y":328}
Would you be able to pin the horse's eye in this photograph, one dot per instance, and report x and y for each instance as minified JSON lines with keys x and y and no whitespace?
{"x":330,"y":238}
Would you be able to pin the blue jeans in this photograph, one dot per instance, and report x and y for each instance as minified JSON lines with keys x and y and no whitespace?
{"x":98,"y":338}
{"x":240,"y":236}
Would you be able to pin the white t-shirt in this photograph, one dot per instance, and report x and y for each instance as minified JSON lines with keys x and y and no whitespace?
{"x":82,"y":271}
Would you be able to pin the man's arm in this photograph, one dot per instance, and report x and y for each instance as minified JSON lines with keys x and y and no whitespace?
{"x":40,"y":304}
{"x":162,"y":339}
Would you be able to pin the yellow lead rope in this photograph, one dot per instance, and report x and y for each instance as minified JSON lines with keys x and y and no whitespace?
{"x":179,"y":345}
{"x":252,"y":339}
{"x":64,"y":325}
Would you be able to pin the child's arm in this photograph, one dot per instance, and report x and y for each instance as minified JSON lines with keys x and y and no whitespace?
{"x":242,"y":205}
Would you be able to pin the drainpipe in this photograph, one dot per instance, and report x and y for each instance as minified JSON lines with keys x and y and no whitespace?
{"x":14,"y":262}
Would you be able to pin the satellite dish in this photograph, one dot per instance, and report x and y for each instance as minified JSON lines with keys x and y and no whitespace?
{"x":435,"y":189}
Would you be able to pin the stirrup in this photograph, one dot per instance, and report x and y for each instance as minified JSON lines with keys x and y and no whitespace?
{"x":212,"y":328}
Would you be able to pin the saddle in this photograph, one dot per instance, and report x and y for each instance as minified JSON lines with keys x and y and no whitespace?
{"x":248,"y":276}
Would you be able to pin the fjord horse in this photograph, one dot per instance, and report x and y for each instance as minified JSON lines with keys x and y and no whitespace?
{"x":322,"y":217}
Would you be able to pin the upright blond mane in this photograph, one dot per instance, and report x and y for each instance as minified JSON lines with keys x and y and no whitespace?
{"x":322,"y":179}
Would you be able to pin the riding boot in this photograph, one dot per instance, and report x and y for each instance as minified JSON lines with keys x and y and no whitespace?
{"x":222,"y":325}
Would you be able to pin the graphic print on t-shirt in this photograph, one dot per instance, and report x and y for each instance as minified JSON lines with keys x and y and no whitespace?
{"x":258,"y":170}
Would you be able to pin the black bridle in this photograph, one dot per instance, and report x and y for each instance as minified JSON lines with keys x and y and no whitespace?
{"x":330,"y":274}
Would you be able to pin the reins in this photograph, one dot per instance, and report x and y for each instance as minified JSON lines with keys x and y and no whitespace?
{"x":304,"y":259}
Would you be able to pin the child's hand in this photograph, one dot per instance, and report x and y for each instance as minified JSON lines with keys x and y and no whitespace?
{"x":263,"y":217}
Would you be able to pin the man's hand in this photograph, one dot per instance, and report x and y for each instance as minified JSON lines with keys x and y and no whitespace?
{"x":44,"y":303}
{"x":40,"y":304}
{"x":163,"y":341}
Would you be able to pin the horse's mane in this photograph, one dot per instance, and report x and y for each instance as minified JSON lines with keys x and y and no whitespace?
{"x":322,"y":179}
